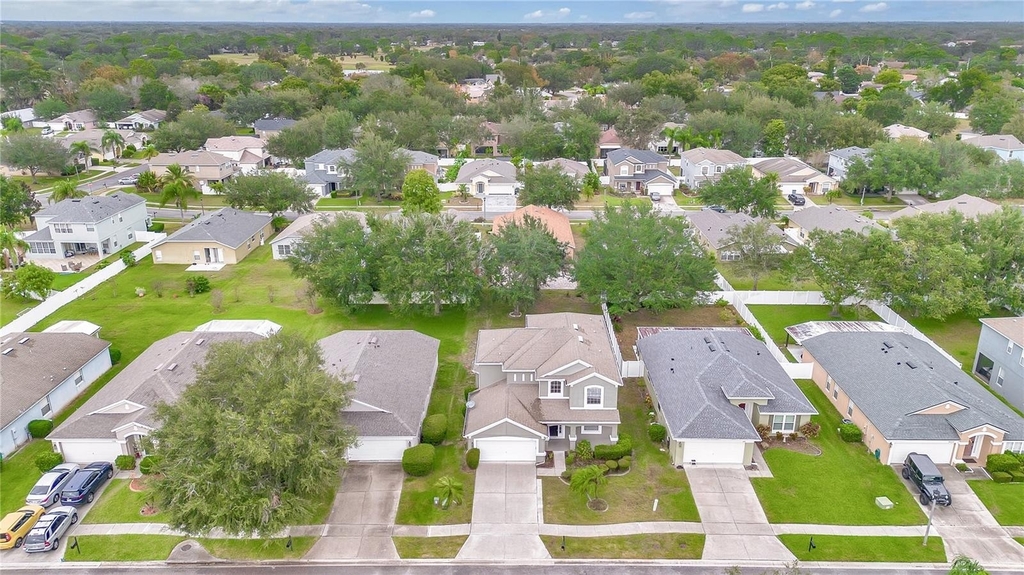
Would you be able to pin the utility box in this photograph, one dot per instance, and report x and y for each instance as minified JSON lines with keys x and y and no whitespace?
{"x":883,"y":502}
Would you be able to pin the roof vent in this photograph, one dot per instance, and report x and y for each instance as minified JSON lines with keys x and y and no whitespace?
{"x":672,"y":370}
{"x":576,"y":326}
{"x":711,"y":347}
{"x":200,"y":341}
{"x":911,"y":365}
{"x":355,"y":378}
{"x":580,"y":338}
{"x":172,"y":366}
{"x":8,"y":350}
{"x":23,"y":340}
{"x":887,"y":345}
{"x":707,"y":339}
{"x":373,"y":340}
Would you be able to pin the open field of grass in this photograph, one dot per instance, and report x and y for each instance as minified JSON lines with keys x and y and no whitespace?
{"x":649,"y":546}
{"x":240,"y":59}
{"x":1004,"y":500}
{"x":429,"y":547}
{"x":839,"y":486}
{"x":774,"y":281}
{"x":865,"y":548}
{"x":368,"y":61}
{"x":119,"y":504}
{"x":122,"y":547}
{"x":11,"y":307}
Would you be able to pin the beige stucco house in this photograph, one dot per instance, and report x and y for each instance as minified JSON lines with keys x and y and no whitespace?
{"x":222,"y":237}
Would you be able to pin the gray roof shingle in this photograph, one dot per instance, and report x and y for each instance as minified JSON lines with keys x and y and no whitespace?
{"x":90,"y":209}
{"x":645,"y":156}
{"x":273,"y":124}
{"x":850,"y":153}
{"x":503,"y":172}
{"x":226,"y":226}
{"x":332,"y":156}
{"x":715,"y":226}
{"x":832,"y":219}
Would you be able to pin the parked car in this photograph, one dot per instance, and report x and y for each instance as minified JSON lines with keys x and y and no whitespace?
{"x":128,"y":180}
{"x":796,"y":199}
{"x":46,"y":491}
{"x":716,"y":208}
{"x":84,"y":483}
{"x":46,"y":132}
{"x":15,"y":526}
{"x":655,"y":196}
{"x":46,"y":534}
{"x":923,"y":473}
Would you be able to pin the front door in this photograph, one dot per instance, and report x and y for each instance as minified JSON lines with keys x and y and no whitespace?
{"x":974,"y":446}
{"x":555,"y":431}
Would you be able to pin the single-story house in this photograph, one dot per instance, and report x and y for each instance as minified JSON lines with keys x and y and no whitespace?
{"x":494,"y":181}
{"x":390,"y":396}
{"x":907,"y":397}
{"x":1006,"y":146}
{"x":898,"y":131}
{"x":267,"y":128}
{"x":282,"y":245}
{"x":543,"y":387}
{"x":828,"y":218}
{"x":556,"y":223}
{"x":74,"y":121}
{"x":711,"y":387}
{"x":795,"y":176}
{"x":609,"y":141}
{"x":144,"y":120}
{"x":839,"y":160}
{"x":40,"y":374}
{"x":222,"y":237}
{"x":114,"y":421}
{"x":713,"y":232}
{"x":970,"y":206}
{"x":572,"y":168}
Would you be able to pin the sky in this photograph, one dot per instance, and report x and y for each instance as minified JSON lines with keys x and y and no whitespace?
{"x":513,"y":11}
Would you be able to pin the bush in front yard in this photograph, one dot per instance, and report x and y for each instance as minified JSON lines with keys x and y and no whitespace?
{"x":40,"y":428}
{"x":435,"y":427}
{"x":584,"y":450}
{"x":624,"y":463}
{"x":567,"y":475}
{"x":810,"y":429}
{"x":657,"y":432}
{"x":115,"y":356}
{"x":148,"y":464}
{"x":850,"y":432}
{"x":764,"y":431}
{"x":622,"y":448}
{"x":50,"y":459}
{"x":124,"y":462}
{"x":1001,"y":477}
{"x":1002,"y":462}
{"x":1018,"y":454}
{"x":1017,"y":476}
{"x":473,"y":458}
{"x":418,"y":460}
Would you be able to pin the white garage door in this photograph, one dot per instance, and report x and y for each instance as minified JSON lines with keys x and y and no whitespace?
{"x":378,"y":449}
{"x":506,"y":449}
{"x":941,"y":452}
{"x":663,"y":189}
{"x":713,"y":452}
{"x":87,"y":452}
{"x":500,"y":203}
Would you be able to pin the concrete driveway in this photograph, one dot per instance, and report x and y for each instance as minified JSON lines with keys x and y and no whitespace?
{"x":505,"y":514}
{"x":363,"y":516}
{"x":734,"y":522}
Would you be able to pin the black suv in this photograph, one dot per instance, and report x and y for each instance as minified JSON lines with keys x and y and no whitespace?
{"x":796,"y":199}
{"x":920,"y":470}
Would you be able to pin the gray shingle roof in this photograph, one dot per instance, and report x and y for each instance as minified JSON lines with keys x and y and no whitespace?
{"x":394,"y":373}
{"x":32,"y":369}
{"x":503,"y":172}
{"x":790,"y":170}
{"x":332,"y":156}
{"x":90,"y":209}
{"x":715,"y":226}
{"x":968,"y":205}
{"x":831,"y":219}
{"x":716,"y":156}
{"x":273,"y":124}
{"x":693,"y":383}
{"x":850,"y":153}
{"x":881,"y":382}
{"x":645,"y":156}
{"x":226,"y":226}
{"x":417,"y":157}
{"x":304,"y":223}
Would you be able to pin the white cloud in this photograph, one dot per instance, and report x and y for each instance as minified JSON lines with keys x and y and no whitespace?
{"x":876,"y":7}
{"x":727,"y":3}
{"x":778,"y":6}
{"x":538,"y":14}
{"x":805,"y":5}
{"x":835,"y":13}
{"x":752,"y":8}
{"x":534,"y":15}
{"x":564,"y":11}
{"x":423,"y":14}
{"x":639,"y":15}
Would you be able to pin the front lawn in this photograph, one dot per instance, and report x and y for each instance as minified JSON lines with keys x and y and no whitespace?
{"x":776,"y":318}
{"x":19,"y":473}
{"x":429,"y":547}
{"x":355,"y":202}
{"x":121,"y":547}
{"x":775,"y":281}
{"x":1004,"y":500}
{"x":416,"y":506}
{"x":865,"y":548}
{"x":647,"y":546}
{"x":849,"y":201}
{"x":258,"y":549}
{"x":630,"y":497}
{"x":839,"y":486}
{"x":119,"y":504}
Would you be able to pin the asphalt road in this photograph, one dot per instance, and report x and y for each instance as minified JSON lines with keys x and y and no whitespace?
{"x":111,"y":180}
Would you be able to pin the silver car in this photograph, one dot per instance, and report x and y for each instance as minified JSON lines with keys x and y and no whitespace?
{"x":46,"y":491}
{"x":46,"y":534}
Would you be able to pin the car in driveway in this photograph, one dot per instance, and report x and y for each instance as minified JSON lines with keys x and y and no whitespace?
{"x":84,"y":483}
{"x":128,"y":180}
{"x":46,"y":534}
{"x":925,"y":475}
{"x":716,"y":208}
{"x":15,"y":526}
{"x":796,"y":199}
{"x":655,"y":196}
{"x":46,"y":491}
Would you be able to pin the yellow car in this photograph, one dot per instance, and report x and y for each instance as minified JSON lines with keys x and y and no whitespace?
{"x":15,"y":526}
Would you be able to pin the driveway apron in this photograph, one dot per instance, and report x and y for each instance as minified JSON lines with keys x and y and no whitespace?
{"x":734,"y":522}
{"x":505,"y":518}
{"x":363,"y":515}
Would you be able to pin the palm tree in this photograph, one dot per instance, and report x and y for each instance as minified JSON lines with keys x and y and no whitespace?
{"x":148,"y":152}
{"x":179,"y":186}
{"x":449,"y":490}
{"x":82,"y":148}
{"x":64,"y":190}
{"x":587,"y":481}
{"x":689,"y":139}
{"x":114,"y":141}
{"x":147,"y":182}
{"x":669,"y":134}
{"x":11,"y":245}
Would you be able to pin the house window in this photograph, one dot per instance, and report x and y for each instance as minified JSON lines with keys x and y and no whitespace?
{"x":637,"y":168}
{"x":662,"y":149}
{"x":999,"y":377}
{"x":555,"y":388}
{"x":828,"y":383}
{"x":728,"y":256}
{"x":195,"y":255}
{"x":61,"y":228}
{"x":45,"y":409}
{"x":650,"y":166}
{"x":849,"y":409}
{"x":1009,"y":347}
{"x":705,"y":170}
{"x":835,"y":392}
{"x":1014,"y":446}
{"x":590,"y":429}
{"x":783,"y":423}
{"x":284,"y":250}
{"x":624,"y":170}
{"x":90,"y":228}
{"x":78,"y":378}
{"x":42,"y":248}
{"x":594,"y":395}
{"x":480,"y":187}
{"x":718,"y":169}
{"x":332,"y":169}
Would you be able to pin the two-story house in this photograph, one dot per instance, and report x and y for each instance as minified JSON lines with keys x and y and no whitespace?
{"x":839,"y":160}
{"x":1000,"y":357}
{"x":245,"y":151}
{"x":608,"y":142}
{"x":493,"y":181}
{"x":543,"y":387}
{"x":323,"y":174}
{"x":207,"y":167}
{"x":701,"y":165}
{"x":639,"y":171}
{"x":94,"y":224}
{"x":1006,"y":146}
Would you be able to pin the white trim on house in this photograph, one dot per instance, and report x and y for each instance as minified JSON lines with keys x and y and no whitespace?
{"x":506,"y":420}
{"x":590,"y":375}
{"x":586,"y":397}
{"x":123,"y":403}
{"x":573,"y":363}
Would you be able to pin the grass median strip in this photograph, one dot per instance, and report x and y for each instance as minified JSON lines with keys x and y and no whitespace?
{"x":258,"y":549}
{"x":122,"y":547}
{"x":429,"y":547}
{"x":865,"y":548}
{"x":646,"y":546}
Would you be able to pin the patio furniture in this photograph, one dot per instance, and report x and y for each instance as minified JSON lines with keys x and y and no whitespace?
{"x":69,"y":254}
{"x":63,"y":268}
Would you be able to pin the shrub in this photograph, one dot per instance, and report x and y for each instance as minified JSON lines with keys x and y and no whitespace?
{"x":850,"y":432}
{"x":721,"y":302}
{"x":809,"y":429}
{"x":778,"y":435}
{"x":1002,"y":462}
{"x":47,"y":461}
{"x":622,"y":448}
{"x":657,"y":432}
{"x":128,"y":258}
{"x":1019,"y":455}
{"x":279,"y":223}
{"x":584,"y":450}
{"x":624,"y":463}
{"x":149,"y":464}
{"x":435,"y":427}
{"x":197,"y":284}
{"x":612,"y":464}
{"x":567,"y":475}
{"x":962,"y":467}
{"x":124,"y":462}
{"x":156,"y":227}
{"x":418,"y":460}
{"x":40,"y":428}
{"x":115,"y":356}
{"x":473,"y":458}
{"x":764,"y":431}
{"x":1017,"y":476}
{"x":998,"y":476}
{"x":570,"y":458}
{"x":604,"y":468}
{"x":793,"y":436}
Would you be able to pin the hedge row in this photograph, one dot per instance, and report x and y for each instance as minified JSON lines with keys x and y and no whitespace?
{"x":418,"y":460}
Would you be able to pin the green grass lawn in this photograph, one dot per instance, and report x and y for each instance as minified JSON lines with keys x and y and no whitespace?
{"x":355,"y":202}
{"x":43,"y":181}
{"x":839,"y":486}
{"x":776,"y":318}
{"x":1004,"y":500}
{"x":257,"y":549}
{"x":630,"y":497}
{"x":865,"y":548}
{"x":19,"y":473}
{"x":416,"y":506}
{"x":240,"y":59}
{"x":847,"y":201}
{"x":10,"y":307}
{"x":122,"y":547}
{"x":429,"y":547}
{"x":648,"y":546}
{"x":65,"y":280}
{"x":206,"y":200}
{"x":119,"y":504}
{"x":600,"y":200}
{"x":774,"y":281}
{"x":1019,"y":540}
